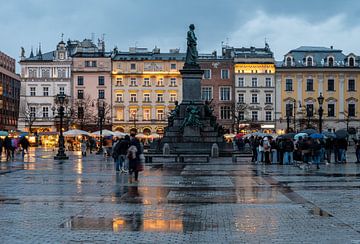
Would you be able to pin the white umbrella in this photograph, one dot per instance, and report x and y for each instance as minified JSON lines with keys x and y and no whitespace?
{"x":119,"y":134}
{"x":104,"y":133}
{"x":141,"y":135}
{"x":76,"y":133}
{"x":154,"y":135}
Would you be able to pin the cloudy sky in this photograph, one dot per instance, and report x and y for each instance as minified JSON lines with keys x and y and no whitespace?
{"x":286,"y":24}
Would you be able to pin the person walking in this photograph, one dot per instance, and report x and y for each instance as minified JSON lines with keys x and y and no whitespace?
{"x":254,"y":148}
{"x":133,"y":154}
{"x":273,"y":152}
{"x":7,"y":145}
{"x":24,"y":142}
{"x":329,"y":144}
{"x":266,"y":148}
{"x":342,"y":148}
{"x":119,"y":154}
{"x":357,"y":150}
{"x":316,"y":152}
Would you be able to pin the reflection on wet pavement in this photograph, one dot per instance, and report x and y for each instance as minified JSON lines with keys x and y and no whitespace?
{"x":84,"y":200}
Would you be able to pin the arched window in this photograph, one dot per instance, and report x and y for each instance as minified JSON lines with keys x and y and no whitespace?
{"x":351,"y":62}
{"x":331,"y":61}
{"x":309,"y":61}
{"x":288,"y":61}
{"x":147,"y":131}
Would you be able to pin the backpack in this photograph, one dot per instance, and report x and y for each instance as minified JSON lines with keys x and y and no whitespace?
{"x":131,"y":153}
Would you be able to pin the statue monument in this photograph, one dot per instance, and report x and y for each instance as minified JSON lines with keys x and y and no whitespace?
{"x":192,"y":125}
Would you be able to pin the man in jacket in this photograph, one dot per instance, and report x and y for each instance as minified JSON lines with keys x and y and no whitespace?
{"x":119,"y":154}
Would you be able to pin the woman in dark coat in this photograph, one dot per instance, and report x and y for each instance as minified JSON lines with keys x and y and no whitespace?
{"x":134,"y":152}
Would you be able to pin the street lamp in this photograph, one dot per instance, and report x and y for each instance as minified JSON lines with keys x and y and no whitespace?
{"x":320,"y":101}
{"x":101,"y":114}
{"x":60,"y":99}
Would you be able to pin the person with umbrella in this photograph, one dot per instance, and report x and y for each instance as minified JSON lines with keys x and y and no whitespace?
{"x":329,"y":143}
{"x":342,"y":148}
{"x":288,"y":151}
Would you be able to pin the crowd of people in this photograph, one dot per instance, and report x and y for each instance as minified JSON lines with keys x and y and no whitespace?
{"x":12,"y":145}
{"x":303,"y":149}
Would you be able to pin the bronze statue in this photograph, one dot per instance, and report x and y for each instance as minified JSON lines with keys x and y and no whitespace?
{"x":191,"y":52}
{"x":192,"y":117}
{"x":174,"y":113}
{"x":22,"y":54}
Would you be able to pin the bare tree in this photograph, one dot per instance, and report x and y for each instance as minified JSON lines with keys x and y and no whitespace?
{"x":30,"y":113}
{"x":240,"y":112}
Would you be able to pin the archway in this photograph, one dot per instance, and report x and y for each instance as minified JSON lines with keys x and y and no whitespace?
{"x":146,"y":131}
{"x":133,"y":131}
{"x":120,"y":129}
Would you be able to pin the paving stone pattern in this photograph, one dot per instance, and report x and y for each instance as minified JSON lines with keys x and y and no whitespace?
{"x":82,"y":200}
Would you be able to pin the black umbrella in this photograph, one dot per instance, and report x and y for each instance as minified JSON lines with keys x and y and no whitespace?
{"x":309,"y":131}
{"x":341,"y":134}
{"x":288,"y":135}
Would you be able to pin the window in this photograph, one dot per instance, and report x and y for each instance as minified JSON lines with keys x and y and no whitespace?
{"x":133,"y":114}
{"x":32,"y":73}
{"x":206,"y":93}
{"x":101,"y":94}
{"x":101,"y":80}
{"x":331,"y":85}
{"x":132,"y":81}
{"x":62,"y":90}
{"x":90,"y":63}
{"x":80,"y":112}
{"x":119,"y":97}
{"x":289,"y":109}
{"x":33,"y":91}
{"x":45,"y":112}
{"x":146,"y":97}
{"x":309,"y":85}
{"x":160,"y":82}
{"x":224,"y":74}
{"x":160,"y":114}
{"x":133,"y":66}
{"x":119,"y":81}
{"x":331,"y":61}
{"x":254,"y":82}
{"x":45,"y":73}
{"x":288,"y":61}
{"x":309,"y":110}
{"x":45,"y":91}
{"x":160,"y":97}
{"x":268,"y":116}
{"x":32,"y":112}
{"x":80,"y":94}
{"x":268,"y":82}
{"x":146,"y":81}
{"x":133,"y":97}
{"x":207,"y":74}
{"x":351,"y":85}
{"x":289,"y":85}
{"x":225,"y":112}
{"x":241,"y":98}
{"x":173,"y":97}
{"x":120,"y":114}
{"x":172,"y":66}
{"x":61,"y":73}
{"x":241,"y":82}
{"x":254,"y":116}
{"x":309,"y":61}
{"x":80,"y":80}
{"x":351,"y":110}
{"x":172,"y":81}
{"x":268,"y":98}
{"x":146,"y":115}
{"x":241,"y":115}
{"x":254,"y":98}
{"x":225,"y":94}
{"x":331,"y":110}
{"x":351,"y":62}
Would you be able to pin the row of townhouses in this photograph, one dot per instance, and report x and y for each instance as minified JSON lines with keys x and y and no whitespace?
{"x":248,"y":89}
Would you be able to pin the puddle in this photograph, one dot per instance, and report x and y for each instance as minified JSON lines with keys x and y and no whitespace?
{"x":132,"y":222}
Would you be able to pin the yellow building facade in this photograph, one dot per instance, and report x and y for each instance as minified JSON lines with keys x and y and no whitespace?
{"x":145,"y":86}
{"x":306,"y":73}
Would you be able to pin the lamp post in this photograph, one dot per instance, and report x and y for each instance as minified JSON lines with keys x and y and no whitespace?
{"x":101,"y":114}
{"x":60,"y":99}
{"x":288,"y":112}
{"x":320,"y":101}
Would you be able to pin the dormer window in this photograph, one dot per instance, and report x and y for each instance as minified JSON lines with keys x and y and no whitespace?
{"x":331,"y":61}
{"x":288,"y":61}
{"x":351,"y":62}
{"x":309,"y":61}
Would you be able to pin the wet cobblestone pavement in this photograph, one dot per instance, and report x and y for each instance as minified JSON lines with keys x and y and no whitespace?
{"x":82,"y":200}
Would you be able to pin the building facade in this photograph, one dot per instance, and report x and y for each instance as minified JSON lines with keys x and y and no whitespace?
{"x":217,"y":87}
{"x":91,"y":83}
{"x":43,"y":76}
{"x":254,"y":88}
{"x":145,"y":86}
{"x":9,"y":93}
{"x":307,"y":72}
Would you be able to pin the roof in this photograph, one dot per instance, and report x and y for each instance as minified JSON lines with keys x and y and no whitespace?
{"x":126,"y":56}
{"x":49,"y":56}
{"x":320,"y":56}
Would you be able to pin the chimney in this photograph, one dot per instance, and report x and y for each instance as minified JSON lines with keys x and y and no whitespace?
{"x":331,"y":47}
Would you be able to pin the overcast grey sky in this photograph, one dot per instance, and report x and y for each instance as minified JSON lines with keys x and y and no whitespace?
{"x":286,"y":24}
